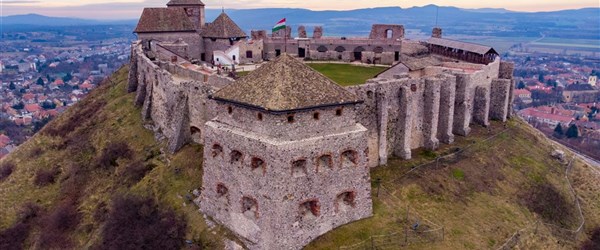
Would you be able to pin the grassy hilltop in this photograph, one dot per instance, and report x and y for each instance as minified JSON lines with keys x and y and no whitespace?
{"x":96,"y":178}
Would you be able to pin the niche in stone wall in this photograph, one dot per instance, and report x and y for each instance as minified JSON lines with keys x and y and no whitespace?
{"x":325,"y":162}
{"x":299,"y":168}
{"x":222,"y":193}
{"x":349,"y":158}
{"x":310,"y":209}
{"x":258,"y":165}
{"x":236,"y":157}
{"x":345,"y":201}
{"x":322,"y":48}
{"x":216,"y":150}
{"x":196,"y":134}
{"x":250,"y":207}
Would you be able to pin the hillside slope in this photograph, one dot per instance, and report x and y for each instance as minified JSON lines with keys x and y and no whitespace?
{"x":96,"y":174}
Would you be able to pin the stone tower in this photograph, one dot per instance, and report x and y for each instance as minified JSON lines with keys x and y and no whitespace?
{"x":221,"y":34}
{"x":285,"y":159}
{"x":194,"y":10}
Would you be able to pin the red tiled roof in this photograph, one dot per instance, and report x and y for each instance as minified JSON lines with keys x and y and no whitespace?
{"x":31,"y":108}
{"x":542,"y":115}
{"x":519,"y":92}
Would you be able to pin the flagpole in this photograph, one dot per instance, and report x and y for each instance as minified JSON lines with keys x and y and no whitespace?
{"x":285,"y":38}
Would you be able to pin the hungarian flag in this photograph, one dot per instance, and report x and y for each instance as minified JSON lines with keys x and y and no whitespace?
{"x":279,"y":25}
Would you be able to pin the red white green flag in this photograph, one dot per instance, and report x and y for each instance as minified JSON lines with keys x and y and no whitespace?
{"x":279,"y":25}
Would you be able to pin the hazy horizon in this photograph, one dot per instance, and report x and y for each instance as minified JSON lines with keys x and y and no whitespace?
{"x":127,"y":9}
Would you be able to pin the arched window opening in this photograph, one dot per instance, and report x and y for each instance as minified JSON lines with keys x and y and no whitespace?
{"x":236,"y":157}
{"x":194,"y":130}
{"x":359,"y":49}
{"x":310,"y":209}
{"x":322,"y":48}
{"x":217,"y":150}
{"x":229,"y":109}
{"x":258,"y":165}
{"x":299,"y":168}
{"x":222,"y":190}
{"x":340,"y":49}
{"x":345,"y":201}
{"x":249,"y":207}
{"x":389,"y":34}
{"x":349,"y":158}
{"x":325,"y":162}
{"x":378,"y":50}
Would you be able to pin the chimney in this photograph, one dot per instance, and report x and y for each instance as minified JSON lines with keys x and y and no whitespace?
{"x":436,"y":32}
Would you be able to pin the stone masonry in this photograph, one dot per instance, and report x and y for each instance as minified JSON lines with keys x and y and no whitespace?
{"x":279,"y":176}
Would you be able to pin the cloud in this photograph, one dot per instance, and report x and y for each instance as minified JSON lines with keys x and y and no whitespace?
{"x":20,"y":2}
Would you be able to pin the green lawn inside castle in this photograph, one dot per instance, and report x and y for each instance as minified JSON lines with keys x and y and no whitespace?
{"x":344,"y":74}
{"x":476,"y":198}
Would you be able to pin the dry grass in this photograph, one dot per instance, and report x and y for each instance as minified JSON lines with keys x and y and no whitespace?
{"x":475,"y":195}
{"x":110,"y":135}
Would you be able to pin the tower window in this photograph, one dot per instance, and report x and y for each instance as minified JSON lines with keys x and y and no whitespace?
{"x":316,"y":115}
{"x":250,"y":207}
{"x":217,"y":150}
{"x":222,"y":190}
{"x":259,"y":116}
{"x":349,"y":158}
{"x":258,"y":165}
{"x":338,"y":112}
{"x":325,"y":162}
{"x":299,"y":168}
{"x":310,"y":209}
{"x":229,"y":109}
{"x":290,"y":118}
{"x":236,"y":157}
{"x":345,"y":201}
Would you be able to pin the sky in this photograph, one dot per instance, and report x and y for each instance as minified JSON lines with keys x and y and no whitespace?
{"x":130,"y":9}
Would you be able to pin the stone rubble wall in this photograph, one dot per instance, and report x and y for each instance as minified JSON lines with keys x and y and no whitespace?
{"x":277,"y":223}
{"x":173,"y":98}
{"x":400,"y":113}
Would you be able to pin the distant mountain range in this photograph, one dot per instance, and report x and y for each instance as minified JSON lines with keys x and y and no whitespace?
{"x":580,"y":23}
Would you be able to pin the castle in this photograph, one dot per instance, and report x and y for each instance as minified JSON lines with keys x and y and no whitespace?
{"x":287,"y":152}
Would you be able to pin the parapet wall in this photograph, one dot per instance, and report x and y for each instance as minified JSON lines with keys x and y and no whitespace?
{"x":401,"y":113}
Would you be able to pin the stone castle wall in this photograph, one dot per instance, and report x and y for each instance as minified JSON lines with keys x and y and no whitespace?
{"x":279,"y":220}
{"x":174,"y":99}
{"x":192,"y":39}
{"x":400,"y":113}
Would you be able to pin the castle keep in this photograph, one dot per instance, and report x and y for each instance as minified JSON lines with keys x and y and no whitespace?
{"x":287,"y":151}
{"x":287,"y":162}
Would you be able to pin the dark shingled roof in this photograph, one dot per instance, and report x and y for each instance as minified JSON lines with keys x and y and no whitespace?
{"x":579,"y":87}
{"x":472,"y":47}
{"x":284,"y":85}
{"x":222,"y":27}
{"x":164,"y":20}
{"x":185,"y":2}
